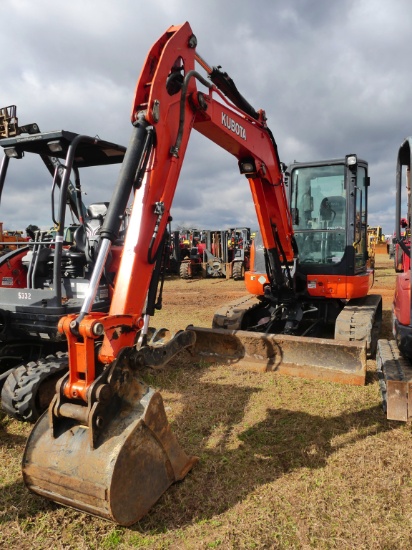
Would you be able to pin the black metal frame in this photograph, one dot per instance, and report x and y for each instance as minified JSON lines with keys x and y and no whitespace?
{"x":37,"y":310}
{"x":347,"y":265}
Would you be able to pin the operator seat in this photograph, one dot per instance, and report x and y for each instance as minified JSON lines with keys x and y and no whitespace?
{"x":326,"y":212}
{"x":338,"y":206}
{"x":86,"y":237}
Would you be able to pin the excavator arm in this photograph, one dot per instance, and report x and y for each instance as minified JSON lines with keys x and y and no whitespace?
{"x":166,"y":107}
{"x":167,"y":98}
{"x":105,"y":445}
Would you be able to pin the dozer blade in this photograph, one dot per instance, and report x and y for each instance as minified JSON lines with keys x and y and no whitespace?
{"x":319,"y":358}
{"x":134,"y":460}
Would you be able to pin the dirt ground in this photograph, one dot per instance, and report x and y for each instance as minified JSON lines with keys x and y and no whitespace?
{"x":284,"y":463}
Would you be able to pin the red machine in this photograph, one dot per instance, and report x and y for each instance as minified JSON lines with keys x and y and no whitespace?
{"x":238,"y":253}
{"x":105,"y":445}
{"x":394,"y":356}
{"x":191,"y":253}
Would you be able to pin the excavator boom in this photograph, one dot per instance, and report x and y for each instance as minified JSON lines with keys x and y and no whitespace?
{"x":105,"y":445}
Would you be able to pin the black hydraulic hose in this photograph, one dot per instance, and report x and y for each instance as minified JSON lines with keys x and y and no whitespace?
{"x":158,"y":274}
{"x":226,"y":85}
{"x":130,"y":176}
{"x":80,"y":208}
{"x":282,"y":253}
{"x":274,"y":267}
{"x":183,"y":97}
{"x":165,"y":251}
{"x":55,"y":178}
{"x":159,"y":210}
{"x":296,"y":193}
{"x":273,"y":261}
{"x":275,"y":146}
{"x":52,"y":164}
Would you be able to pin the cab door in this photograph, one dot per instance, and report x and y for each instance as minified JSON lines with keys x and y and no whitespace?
{"x":360,"y":183}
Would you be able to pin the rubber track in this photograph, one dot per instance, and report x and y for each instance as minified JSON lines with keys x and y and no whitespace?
{"x":360,"y":321}
{"x":230,"y":316}
{"x":20,"y":397}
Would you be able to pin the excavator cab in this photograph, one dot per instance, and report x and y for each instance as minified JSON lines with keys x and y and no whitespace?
{"x":51,"y":273}
{"x":330,"y":204}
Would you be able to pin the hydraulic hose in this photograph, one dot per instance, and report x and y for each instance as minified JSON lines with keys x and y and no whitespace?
{"x":130,"y":176}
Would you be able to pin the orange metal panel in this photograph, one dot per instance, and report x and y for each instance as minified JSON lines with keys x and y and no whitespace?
{"x":327,"y":286}
{"x":339,"y":286}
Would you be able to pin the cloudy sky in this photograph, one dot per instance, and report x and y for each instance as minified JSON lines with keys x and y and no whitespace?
{"x":333,"y":77}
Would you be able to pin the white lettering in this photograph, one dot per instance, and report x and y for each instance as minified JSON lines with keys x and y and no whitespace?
{"x":233,"y":126}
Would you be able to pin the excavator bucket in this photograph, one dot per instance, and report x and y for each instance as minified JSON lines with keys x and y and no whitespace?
{"x":118,"y":473}
{"x":319,"y":358}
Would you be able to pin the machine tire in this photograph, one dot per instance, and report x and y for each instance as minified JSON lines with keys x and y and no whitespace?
{"x":238,"y":271}
{"x":29,"y":389}
{"x":185,"y":271}
{"x":214,"y":269}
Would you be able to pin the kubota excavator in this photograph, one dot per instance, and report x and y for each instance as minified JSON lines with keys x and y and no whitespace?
{"x":328,"y":204}
{"x":105,"y":445}
{"x":394,"y":357}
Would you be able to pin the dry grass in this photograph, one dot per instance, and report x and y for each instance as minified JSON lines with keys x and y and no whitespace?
{"x":284,"y":462}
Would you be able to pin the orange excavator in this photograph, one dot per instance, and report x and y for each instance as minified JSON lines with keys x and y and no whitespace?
{"x":105,"y":446}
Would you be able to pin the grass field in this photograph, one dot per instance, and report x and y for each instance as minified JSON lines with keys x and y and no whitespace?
{"x":284,"y":462}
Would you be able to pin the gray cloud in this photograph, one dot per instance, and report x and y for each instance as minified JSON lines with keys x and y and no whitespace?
{"x":333,"y":78}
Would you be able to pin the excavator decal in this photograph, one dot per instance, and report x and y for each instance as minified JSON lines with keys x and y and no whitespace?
{"x":234,"y":126}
